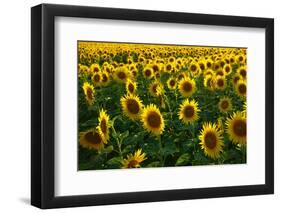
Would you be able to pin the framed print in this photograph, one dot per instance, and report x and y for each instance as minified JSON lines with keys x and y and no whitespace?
{"x":140,"y":106}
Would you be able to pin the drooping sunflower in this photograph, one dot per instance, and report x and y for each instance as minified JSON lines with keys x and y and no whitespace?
{"x":241,"y":88}
{"x":237,"y":128}
{"x":131,"y":106}
{"x":225,"y":104}
{"x":188,"y":112}
{"x":103,"y":126}
{"x":134,"y":160}
{"x":121,"y":74}
{"x":152,"y":120}
{"x":131,"y":86}
{"x":187,"y":87}
{"x":211,"y":140}
{"x":172,"y":83}
{"x":91,"y":139}
{"x":220,"y":83}
{"x":89,"y":93}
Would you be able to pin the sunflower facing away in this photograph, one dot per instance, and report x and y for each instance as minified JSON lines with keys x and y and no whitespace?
{"x":133,"y":161}
{"x":89,"y":93}
{"x":237,"y":128}
{"x":131,"y":106}
{"x":188,"y":111}
{"x":187,"y":87}
{"x":91,"y":139}
{"x":211,"y":140}
{"x":225,"y":104}
{"x":103,"y":127}
{"x":152,"y":120}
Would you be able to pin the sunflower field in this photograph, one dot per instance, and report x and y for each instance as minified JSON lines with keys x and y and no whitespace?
{"x":146,"y":105}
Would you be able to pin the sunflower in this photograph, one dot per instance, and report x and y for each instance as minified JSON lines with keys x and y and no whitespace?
{"x":172,"y":83}
{"x":97,"y":78}
{"x":148,"y":72}
{"x":187,"y":87}
{"x":169,"y":67}
{"x":242,"y":71}
{"x":188,"y":111}
{"x":121,"y":74}
{"x":131,"y":86}
{"x":152,"y":120}
{"x":94,"y":68}
{"x":131,"y":106}
{"x":236,"y":77}
{"x":225,"y":104}
{"x":133,"y":161}
{"x":241,"y":88}
{"x":211,"y":140}
{"x":156,"y":89}
{"x":105,"y":79}
{"x":89,"y":93}
{"x":91,"y":139}
{"x":220,"y":83}
{"x":103,"y":127}
{"x":227,"y":69}
{"x":237,"y":128}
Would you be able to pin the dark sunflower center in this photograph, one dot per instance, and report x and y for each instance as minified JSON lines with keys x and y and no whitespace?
{"x":224,"y":104}
{"x":189,"y":111}
{"x":169,"y":67}
{"x":154,"y":119}
{"x":121,"y":75}
{"x":240,"y":58}
{"x":155,"y":68}
{"x":133,"y":106}
{"x":240,"y":128}
{"x":154,"y":88}
{"x":210,"y":140}
{"x":202,"y":66}
{"x":242,"y":89}
{"x":172,"y":83}
{"x":104,"y":78}
{"x":227,"y":69}
{"x":243,"y":73}
{"x":133,"y":164}
{"x":147,"y":73}
{"x":93,"y":137}
{"x":187,"y":86}
{"x":103,"y":126}
{"x":97,"y":78}
{"x":193,"y":68}
{"x":220,"y":73}
{"x":131,"y":88}
{"x":89,"y":93}
{"x":96,"y":69}
{"x":220,"y":83}
{"x":209,"y":64}
{"x":236,"y":78}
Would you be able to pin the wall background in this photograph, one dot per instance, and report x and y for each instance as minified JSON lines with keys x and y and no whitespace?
{"x":15,"y":105}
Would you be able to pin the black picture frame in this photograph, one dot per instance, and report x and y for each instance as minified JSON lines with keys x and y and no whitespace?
{"x":43,"y":102}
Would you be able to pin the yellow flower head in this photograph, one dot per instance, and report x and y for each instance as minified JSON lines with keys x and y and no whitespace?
{"x":133,"y":161}
{"x":131,"y":86}
{"x":237,"y":128}
{"x":131,"y":106}
{"x":187,"y":87}
{"x":152,"y":120}
{"x":211,"y":140}
{"x":189,"y":111}
{"x":91,"y":139}
{"x":225,"y":104}
{"x":103,"y":127}
{"x":89,"y":93}
{"x":241,"y":88}
{"x":172,"y":83}
{"x":121,"y":74}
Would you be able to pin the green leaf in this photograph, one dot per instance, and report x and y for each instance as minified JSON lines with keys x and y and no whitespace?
{"x":114,"y":162}
{"x":183,"y":160}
